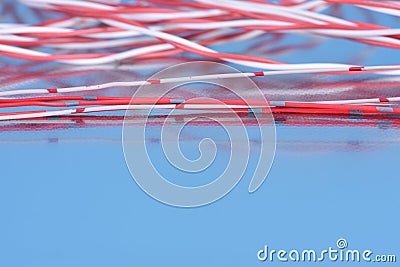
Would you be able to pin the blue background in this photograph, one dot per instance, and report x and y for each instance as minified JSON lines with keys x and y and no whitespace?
{"x":67,"y":198}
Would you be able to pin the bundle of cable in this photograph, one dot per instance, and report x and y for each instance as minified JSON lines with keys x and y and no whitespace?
{"x":110,"y":34}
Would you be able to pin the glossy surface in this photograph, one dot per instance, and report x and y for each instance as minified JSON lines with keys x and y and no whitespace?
{"x":67,"y":198}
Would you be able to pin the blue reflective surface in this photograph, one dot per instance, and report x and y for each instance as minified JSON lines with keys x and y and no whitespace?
{"x":67,"y":198}
{"x":71,"y":201}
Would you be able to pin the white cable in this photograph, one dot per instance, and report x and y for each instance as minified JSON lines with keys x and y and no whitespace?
{"x":202,"y":48}
{"x":262,"y":9}
{"x":101,"y":44}
{"x":174,"y":15}
{"x":388,"y":11}
{"x":222,"y":24}
{"x":355,"y":33}
{"x":50,"y":3}
{"x":187,"y":79}
{"x":9,"y":37}
{"x":18,"y":28}
{"x":293,"y":13}
{"x":310,"y":5}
